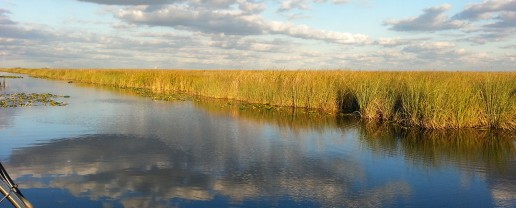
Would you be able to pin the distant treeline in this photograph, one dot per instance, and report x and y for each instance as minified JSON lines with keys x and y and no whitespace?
{"x":433,"y":100}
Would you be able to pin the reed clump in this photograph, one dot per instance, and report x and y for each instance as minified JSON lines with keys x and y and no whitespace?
{"x":432,"y":100}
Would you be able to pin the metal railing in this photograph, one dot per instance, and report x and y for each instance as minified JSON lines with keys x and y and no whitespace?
{"x":11,"y":192}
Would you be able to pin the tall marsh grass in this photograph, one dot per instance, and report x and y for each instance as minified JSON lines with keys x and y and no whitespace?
{"x":433,"y":100}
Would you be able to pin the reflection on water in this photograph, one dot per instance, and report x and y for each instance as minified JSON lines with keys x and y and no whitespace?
{"x":124,"y":166}
{"x":434,"y":148}
{"x":490,"y":154}
{"x":110,"y":149}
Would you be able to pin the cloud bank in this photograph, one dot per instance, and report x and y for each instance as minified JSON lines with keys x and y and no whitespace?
{"x":238,"y":34}
{"x":432,"y":19}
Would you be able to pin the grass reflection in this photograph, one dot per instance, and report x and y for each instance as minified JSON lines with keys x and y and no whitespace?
{"x":423,"y":147}
{"x":296,"y":119}
{"x":441,"y":147}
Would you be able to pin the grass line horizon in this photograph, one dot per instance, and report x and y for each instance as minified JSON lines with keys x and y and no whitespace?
{"x":430,"y":100}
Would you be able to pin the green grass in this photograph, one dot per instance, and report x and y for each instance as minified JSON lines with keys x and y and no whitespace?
{"x":431,"y":100}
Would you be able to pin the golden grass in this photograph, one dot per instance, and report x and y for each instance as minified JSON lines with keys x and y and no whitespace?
{"x":433,"y":100}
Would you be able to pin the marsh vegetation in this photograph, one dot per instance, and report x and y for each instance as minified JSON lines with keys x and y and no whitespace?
{"x":431,"y":100}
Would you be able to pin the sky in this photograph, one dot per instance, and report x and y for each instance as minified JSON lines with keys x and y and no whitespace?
{"x":449,"y":35}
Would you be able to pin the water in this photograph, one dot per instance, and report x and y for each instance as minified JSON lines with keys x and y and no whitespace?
{"x":108,"y":148}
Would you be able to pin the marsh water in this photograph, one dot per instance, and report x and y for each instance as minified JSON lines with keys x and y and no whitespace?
{"x":111,"y":148}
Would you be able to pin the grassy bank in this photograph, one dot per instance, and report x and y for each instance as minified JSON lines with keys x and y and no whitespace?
{"x":433,"y":100}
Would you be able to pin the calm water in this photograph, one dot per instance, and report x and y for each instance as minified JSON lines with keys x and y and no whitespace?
{"x":109,"y":148}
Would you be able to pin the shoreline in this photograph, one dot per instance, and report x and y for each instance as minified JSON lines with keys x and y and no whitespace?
{"x":428,"y":100}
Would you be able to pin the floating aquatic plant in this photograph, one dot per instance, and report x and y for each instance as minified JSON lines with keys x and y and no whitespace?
{"x":30,"y":99}
{"x":11,"y":77}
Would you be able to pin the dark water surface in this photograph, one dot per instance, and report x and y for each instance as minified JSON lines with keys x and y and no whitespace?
{"x":108,"y":148}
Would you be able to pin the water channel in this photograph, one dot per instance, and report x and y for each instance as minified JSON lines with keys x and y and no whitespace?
{"x":111,"y":148}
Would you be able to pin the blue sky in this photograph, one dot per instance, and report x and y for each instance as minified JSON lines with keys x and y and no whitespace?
{"x":259,"y":34}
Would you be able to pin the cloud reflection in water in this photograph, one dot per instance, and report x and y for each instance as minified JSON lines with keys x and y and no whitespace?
{"x":148,"y":172}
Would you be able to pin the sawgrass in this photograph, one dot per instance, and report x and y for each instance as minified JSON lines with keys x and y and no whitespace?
{"x":432,"y":100}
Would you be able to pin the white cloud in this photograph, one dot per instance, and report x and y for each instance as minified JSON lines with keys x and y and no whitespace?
{"x":432,"y":19}
{"x":505,"y":20}
{"x":4,"y":20}
{"x":486,"y":9}
{"x":11,"y":29}
{"x":500,"y":16}
{"x":436,"y":45}
{"x":394,"y":42}
{"x":234,"y":34}
{"x":293,"y":4}
{"x":288,"y":5}
{"x":250,"y":44}
{"x":306,"y":32}
{"x":341,"y":1}
{"x":194,"y":19}
{"x":252,"y":6}
{"x":431,"y":50}
{"x":129,"y":2}
{"x":229,"y":22}
{"x":480,"y":23}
